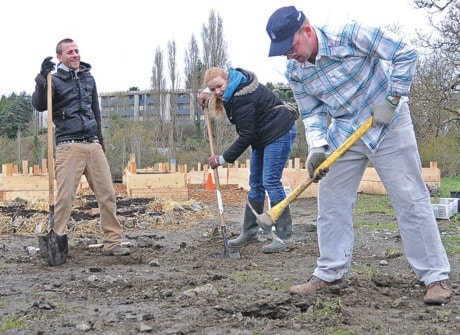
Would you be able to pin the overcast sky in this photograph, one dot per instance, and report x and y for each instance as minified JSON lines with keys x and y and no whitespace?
{"x":119,"y":38}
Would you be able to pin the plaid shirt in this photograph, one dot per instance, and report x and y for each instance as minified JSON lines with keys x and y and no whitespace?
{"x":356,"y":68}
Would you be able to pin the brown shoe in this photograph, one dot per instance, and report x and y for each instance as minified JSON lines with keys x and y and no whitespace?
{"x":438,"y":293}
{"x":118,"y":250}
{"x":315,"y":285}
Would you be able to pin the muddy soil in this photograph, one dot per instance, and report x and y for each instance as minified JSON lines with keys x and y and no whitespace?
{"x":173,"y":283}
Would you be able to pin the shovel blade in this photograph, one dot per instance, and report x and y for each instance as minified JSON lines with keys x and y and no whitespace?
{"x":53,"y":248}
{"x":226,"y":253}
{"x":229,"y":254}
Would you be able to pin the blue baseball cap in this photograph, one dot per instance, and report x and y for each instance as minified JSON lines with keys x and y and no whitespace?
{"x":281,"y":28}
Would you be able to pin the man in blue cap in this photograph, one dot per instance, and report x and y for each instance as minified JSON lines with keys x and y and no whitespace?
{"x":340,"y":77}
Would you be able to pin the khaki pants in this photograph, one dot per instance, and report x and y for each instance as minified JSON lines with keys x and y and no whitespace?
{"x":398,"y":164}
{"x":72,"y":161}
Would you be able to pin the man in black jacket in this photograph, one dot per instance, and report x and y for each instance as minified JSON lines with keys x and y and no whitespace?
{"x":79,"y":141}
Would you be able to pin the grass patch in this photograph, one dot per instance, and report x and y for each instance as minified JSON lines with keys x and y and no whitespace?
{"x":449,"y":184}
{"x":250,"y":276}
{"x":258,"y":276}
{"x":341,"y":332}
{"x":364,"y":270}
{"x":451,"y":244}
{"x":382,"y":226}
{"x":15,"y":322}
{"x":276,"y":285}
{"x":371,"y":203}
{"x":329,"y":308}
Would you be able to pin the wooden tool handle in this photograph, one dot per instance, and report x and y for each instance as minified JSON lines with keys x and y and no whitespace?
{"x":50,"y":140}
{"x":216,"y":173}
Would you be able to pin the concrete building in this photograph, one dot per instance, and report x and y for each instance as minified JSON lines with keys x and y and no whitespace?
{"x":147,"y":105}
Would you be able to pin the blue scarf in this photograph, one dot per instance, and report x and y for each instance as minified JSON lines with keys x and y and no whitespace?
{"x":235,"y":78}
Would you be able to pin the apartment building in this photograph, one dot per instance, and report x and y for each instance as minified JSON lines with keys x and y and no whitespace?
{"x":148,"y":105}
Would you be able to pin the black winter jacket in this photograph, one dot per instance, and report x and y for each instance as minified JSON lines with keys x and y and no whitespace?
{"x":76,"y":112}
{"x":252,"y":109}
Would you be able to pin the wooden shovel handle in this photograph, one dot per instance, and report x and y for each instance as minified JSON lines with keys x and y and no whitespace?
{"x":216,"y":173}
{"x":50,"y":140}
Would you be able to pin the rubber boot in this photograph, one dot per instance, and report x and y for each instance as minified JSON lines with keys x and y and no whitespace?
{"x":250,"y":227}
{"x":282,"y":237}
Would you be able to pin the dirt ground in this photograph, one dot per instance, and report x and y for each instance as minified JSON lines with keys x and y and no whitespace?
{"x":173,"y":283}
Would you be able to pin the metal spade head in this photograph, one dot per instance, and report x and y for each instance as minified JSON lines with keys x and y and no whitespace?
{"x":226,"y":253}
{"x":53,"y":247}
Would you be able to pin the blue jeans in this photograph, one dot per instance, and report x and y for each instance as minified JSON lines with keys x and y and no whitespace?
{"x":267,"y":165}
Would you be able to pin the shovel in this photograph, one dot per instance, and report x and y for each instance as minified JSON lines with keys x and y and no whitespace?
{"x":226,"y":253}
{"x":53,"y":247}
{"x":267,"y":219}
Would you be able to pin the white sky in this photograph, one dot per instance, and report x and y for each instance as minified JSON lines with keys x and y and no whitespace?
{"x":119,"y":38}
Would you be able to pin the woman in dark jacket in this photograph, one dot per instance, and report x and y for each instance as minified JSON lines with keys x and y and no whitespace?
{"x":263,"y":122}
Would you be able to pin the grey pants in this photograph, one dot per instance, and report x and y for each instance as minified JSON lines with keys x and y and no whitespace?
{"x":398,"y":164}
{"x":72,"y":161}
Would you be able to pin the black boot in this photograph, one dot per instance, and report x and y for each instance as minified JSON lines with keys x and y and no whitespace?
{"x":250,"y":227}
{"x":282,"y":238}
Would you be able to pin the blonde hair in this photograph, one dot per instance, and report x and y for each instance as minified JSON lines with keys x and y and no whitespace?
{"x":216,"y":105}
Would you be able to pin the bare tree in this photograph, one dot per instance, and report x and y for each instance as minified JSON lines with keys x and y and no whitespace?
{"x":438,"y":77}
{"x":435,"y":96}
{"x":215,"y":54}
{"x":433,"y":102}
{"x":214,"y":45}
{"x":444,"y":18}
{"x":194,"y":78}
{"x":158,"y":86}
{"x":174,"y":77}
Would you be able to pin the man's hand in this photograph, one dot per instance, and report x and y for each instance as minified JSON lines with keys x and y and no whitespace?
{"x":215,"y":161}
{"x":202,"y":98}
{"x":314,"y":159}
{"x":47,"y":66}
{"x":383,"y":113}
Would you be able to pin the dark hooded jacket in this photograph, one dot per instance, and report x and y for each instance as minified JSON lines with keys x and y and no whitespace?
{"x":258,"y":122}
{"x":76,"y":111}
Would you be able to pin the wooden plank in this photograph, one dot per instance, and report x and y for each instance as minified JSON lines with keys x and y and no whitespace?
{"x":25,"y":183}
{"x":297,"y":163}
{"x":371,"y":187}
{"x":25,"y":167}
{"x":44,"y":166}
{"x":30,"y":196}
{"x":167,"y":193}
{"x":294,"y":178}
{"x":7,"y":169}
{"x":157,"y":180}
{"x":196,"y":177}
{"x":431,"y":174}
{"x":370,"y":174}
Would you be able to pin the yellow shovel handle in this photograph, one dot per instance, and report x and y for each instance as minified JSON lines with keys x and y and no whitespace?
{"x":277,"y":210}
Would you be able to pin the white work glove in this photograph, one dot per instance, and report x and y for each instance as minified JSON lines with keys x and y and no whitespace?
{"x":314,"y":159}
{"x":383,"y":113}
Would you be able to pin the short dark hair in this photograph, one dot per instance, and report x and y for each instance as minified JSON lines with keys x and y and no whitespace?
{"x":61,"y":42}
